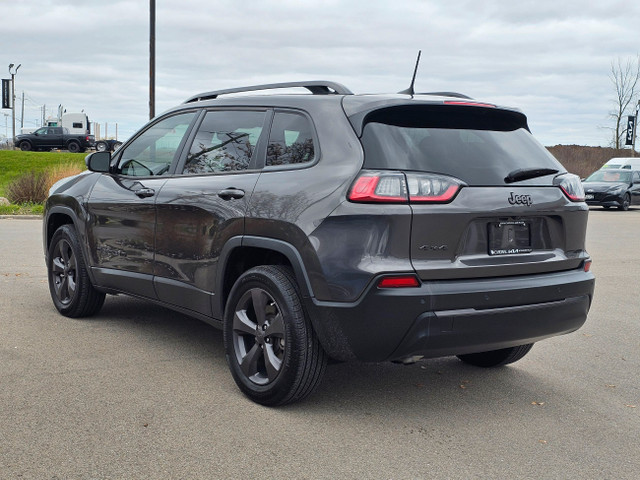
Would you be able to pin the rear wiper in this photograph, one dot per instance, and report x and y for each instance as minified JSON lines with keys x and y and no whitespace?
{"x":526,"y":173}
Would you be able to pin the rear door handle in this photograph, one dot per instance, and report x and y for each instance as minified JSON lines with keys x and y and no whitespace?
{"x":145,"y":192}
{"x":229,"y":193}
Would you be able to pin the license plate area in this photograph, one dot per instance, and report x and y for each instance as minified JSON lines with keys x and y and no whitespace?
{"x":509,"y":237}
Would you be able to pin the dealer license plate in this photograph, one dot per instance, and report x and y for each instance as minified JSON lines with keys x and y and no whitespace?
{"x":509,"y":237}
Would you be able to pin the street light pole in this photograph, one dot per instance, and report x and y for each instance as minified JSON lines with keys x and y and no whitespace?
{"x":152,"y":59}
{"x":13,"y":99}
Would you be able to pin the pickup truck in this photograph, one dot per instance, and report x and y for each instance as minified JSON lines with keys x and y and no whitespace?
{"x":47,"y":138}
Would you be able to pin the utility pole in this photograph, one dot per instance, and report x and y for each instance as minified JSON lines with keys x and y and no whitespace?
{"x":152,"y":59}
{"x":22,"y":113}
{"x":13,"y":98}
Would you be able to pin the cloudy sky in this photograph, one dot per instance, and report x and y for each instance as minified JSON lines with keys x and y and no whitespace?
{"x":552,"y":59}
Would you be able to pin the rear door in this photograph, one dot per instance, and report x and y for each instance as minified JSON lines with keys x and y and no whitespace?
{"x":484,"y":194}
{"x":204,"y":205}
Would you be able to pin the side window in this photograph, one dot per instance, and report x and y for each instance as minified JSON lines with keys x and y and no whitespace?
{"x":153,"y":151}
{"x":225,"y":142}
{"x":290,"y":140}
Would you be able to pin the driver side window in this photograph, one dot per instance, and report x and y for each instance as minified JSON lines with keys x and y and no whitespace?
{"x":154,"y":150}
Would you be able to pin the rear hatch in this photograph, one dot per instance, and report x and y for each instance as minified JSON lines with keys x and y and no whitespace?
{"x":487,"y":199}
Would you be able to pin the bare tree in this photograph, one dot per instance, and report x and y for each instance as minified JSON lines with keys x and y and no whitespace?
{"x":626,"y":78}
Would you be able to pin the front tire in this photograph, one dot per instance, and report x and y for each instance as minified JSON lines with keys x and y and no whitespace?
{"x":69,"y":283}
{"x":25,"y":146}
{"x":272,"y":351}
{"x":496,"y":358}
{"x":626,"y":201}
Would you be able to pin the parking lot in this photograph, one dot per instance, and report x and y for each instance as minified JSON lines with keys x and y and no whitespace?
{"x":141,"y":392}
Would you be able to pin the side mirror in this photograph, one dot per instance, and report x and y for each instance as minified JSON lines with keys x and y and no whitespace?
{"x":98,"y":162}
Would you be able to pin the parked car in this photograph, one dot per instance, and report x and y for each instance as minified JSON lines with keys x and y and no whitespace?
{"x":330,"y":225}
{"x":613,"y":188}
{"x":48,"y":138}
{"x":627,"y":163}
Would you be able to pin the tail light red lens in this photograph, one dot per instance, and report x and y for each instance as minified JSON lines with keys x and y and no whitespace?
{"x":399,"y":187}
{"x":571,"y":186}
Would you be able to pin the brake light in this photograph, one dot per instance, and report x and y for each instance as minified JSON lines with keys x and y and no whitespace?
{"x":473,"y":104}
{"x":398,"y":187}
{"x":587,"y":265}
{"x":379,"y":187}
{"x":403,"y":281}
{"x":571,"y":186}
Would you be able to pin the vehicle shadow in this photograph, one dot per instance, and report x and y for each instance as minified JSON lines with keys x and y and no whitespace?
{"x":432,"y":387}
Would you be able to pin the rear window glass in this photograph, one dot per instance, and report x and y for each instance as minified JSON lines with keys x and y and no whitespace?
{"x":480,"y":146}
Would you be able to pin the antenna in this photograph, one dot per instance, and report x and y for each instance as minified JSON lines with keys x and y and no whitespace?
{"x":410,"y":91}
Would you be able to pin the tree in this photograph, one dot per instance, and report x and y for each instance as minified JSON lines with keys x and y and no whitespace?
{"x":626,"y":78}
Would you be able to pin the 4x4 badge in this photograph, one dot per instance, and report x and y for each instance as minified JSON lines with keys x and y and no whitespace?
{"x":520,"y":199}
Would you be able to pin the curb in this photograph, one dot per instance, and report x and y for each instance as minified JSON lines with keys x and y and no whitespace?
{"x":20,"y":217}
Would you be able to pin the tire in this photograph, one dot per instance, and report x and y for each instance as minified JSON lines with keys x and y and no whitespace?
{"x":272,"y":351}
{"x":73,"y":147}
{"x":626,"y":201}
{"x":102,"y":146}
{"x":69,"y":283}
{"x":25,"y":146}
{"x":496,"y":358}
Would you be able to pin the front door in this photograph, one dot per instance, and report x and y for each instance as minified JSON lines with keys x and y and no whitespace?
{"x":122,"y":207}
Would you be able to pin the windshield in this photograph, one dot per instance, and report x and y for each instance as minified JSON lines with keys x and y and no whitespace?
{"x":479,"y":150}
{"x":609,"y":176}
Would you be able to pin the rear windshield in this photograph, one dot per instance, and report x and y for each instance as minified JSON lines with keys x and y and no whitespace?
{"x":480,"y":146}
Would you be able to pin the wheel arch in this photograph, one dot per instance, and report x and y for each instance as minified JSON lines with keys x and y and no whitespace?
{"x":244,"y":252}
{"x":57,"y":216}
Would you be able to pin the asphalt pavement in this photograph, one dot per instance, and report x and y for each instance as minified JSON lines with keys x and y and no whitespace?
{"x":141,"y":392}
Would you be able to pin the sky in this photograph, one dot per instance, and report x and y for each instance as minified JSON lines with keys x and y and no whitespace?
{"x":551,"y":59}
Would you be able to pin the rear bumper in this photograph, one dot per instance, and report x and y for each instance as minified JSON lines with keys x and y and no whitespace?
{"x":443,"y":318}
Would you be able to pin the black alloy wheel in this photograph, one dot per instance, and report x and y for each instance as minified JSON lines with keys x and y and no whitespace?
{"x":25,"y":146}
{"x":73,"y":147}
{"x":626,"y":202}
{"x":69,"y":284}
{"x":272,"y":351}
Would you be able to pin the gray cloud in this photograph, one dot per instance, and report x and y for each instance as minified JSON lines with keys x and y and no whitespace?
{"x":549,"y":58}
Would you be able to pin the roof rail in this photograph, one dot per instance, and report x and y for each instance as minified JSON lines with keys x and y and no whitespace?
{"x":446,"y":94}
{"x":316,"y":87}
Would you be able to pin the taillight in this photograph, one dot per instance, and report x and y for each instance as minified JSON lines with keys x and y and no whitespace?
{"x":399,"y":281}
{"x":398,"y":187}
{"x":379,"y":187}
{"x":571,"y":186}
{"x":431,"y":188}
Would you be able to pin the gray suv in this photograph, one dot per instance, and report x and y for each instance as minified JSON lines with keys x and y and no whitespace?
{"x":330,"y":225}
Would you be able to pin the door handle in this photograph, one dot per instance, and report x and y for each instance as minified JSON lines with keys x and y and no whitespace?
{"x":229,"y":193}
{"x":145,"y":192}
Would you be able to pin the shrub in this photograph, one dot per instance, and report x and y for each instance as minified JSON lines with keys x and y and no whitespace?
{"x":29,"y":188}
{"x":58,"y":172}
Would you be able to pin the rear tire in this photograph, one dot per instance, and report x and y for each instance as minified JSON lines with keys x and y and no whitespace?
{"x":101,"y":146}
{"x":73,"y":147}
{"x":69,"y":283}
{"x":272,"y":351}
{"x":496,"y":358}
